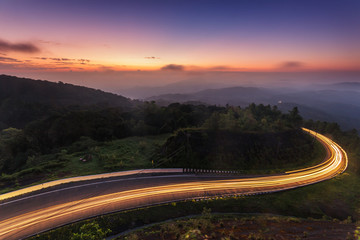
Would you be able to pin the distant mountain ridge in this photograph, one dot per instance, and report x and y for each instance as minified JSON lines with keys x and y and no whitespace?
{"x":182,"y":87}
{"x":23,"y":100}
{"x":347,"y":85}
{"x":232,"y":95}
{"x":342,"y":106}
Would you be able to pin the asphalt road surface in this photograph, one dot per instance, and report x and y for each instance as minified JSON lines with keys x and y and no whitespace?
{"x":39,"y":210}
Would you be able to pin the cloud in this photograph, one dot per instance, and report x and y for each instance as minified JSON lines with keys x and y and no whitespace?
{"x":18,"y":47}
{"x":291,"y":64}
{"x":65,"y":60}
{"x":41,"y":58}
{"x":225,"y":68}
{"x":173,"y":67}
{"x":49,"y":42}
{"x":152,"y":57}
{"x":9,"y":60}
{"x":83,"y":61}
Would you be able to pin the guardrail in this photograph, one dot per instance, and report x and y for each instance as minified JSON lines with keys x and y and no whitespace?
{"x":210,"y":171}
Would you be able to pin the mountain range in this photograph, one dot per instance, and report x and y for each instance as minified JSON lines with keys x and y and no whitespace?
{"x":338,"y":102}
{"x":23,"y":100}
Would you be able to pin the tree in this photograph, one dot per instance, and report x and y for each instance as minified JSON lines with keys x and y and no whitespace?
{"x":294,"y":118}
{"x":90,"y":231}
{"x":13,"y":146}
{"x":213,"y":122}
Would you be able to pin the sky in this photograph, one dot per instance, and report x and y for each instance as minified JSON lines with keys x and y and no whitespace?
{"x":109,"y":44}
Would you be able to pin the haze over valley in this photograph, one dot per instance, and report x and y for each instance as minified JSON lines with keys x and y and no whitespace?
{"x":338,"y":102}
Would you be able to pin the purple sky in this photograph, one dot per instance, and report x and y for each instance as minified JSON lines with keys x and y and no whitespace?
{"x":106,"y":44}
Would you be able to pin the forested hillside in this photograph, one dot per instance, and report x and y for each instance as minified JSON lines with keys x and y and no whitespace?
{"x":256,"y":137}
{"x":23,"y":100}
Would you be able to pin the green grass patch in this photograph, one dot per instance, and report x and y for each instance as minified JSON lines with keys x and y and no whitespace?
{"x":242,"y":226}
{"x":100,"y":157}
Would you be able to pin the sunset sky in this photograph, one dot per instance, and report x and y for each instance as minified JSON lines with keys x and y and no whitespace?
{"x":59,"y":39}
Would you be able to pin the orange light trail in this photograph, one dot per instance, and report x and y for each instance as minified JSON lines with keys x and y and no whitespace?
{"x":32,"y":222}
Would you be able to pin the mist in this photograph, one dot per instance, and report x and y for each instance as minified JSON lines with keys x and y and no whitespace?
{"x":144,"y":84}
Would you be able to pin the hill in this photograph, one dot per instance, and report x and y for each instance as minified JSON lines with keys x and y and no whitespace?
{"x":233,"y":96}
{"x":331,"y":105}
{"x":183,"y":87}
{"x":39,"y":91}
{"x":23,"y":100}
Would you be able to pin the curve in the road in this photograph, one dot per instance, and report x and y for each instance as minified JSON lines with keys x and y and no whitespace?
{"x":152,"y":191}
{"x":55,"y":183}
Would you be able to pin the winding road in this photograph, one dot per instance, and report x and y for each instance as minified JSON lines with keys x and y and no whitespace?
{"x":40,"y":208}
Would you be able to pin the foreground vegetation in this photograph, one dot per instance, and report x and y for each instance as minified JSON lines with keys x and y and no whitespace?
{"x":335,"y":199}
{"x":242,"y":226}
{"x":248,"y":152}
{"x":85,"y":157}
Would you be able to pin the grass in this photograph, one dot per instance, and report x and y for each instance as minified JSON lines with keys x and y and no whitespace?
{"x":118,"y":155}
{"x":241,"y":226}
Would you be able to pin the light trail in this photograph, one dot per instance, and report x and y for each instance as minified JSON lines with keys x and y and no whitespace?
{"x":25,"y":224}
{"x":86,"y":178}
